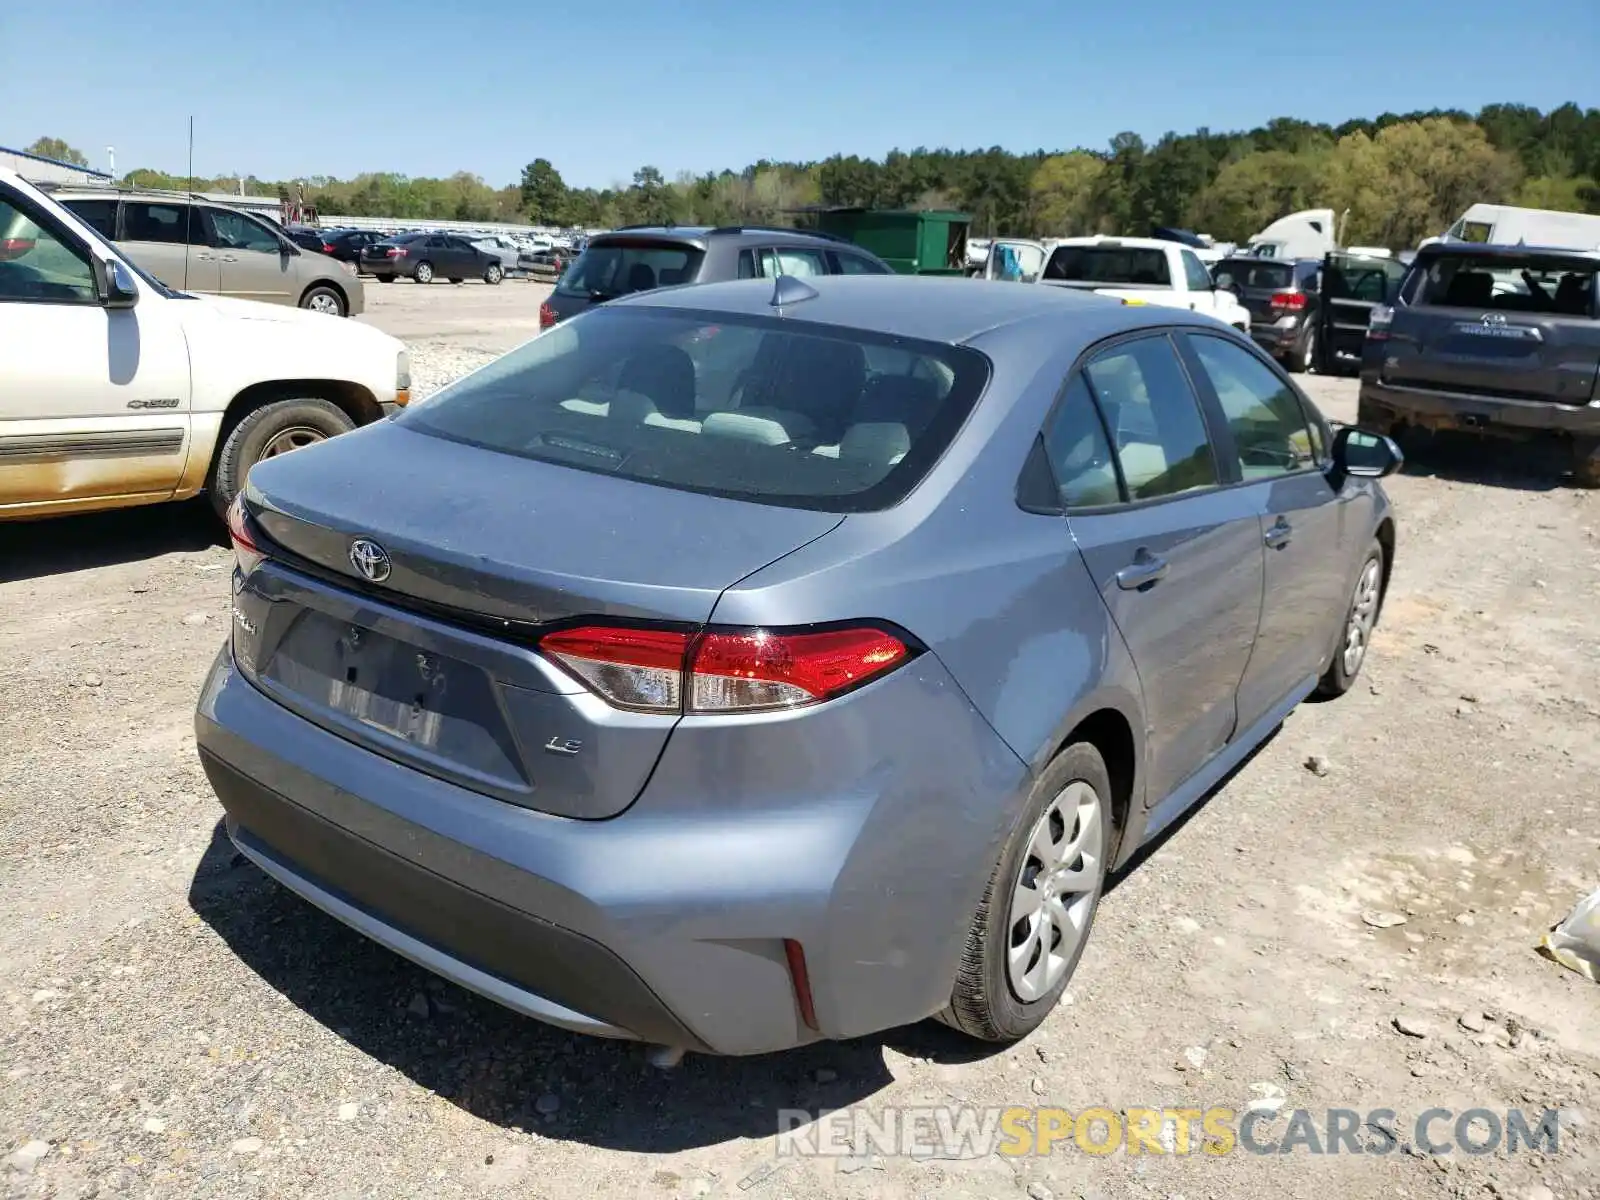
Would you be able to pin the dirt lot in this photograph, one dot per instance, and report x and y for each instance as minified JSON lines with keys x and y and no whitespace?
{"x":174,"y":1024}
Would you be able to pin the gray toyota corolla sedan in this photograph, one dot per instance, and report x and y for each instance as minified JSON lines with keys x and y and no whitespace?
{"x":736,"y":666}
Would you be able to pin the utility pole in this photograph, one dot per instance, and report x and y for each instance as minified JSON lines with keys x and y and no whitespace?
{"x":111,"y":161}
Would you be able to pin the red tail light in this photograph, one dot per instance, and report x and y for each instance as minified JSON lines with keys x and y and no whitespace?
{"x":328,"y":247}
{"x":14,"y":248}
{"x":1289,"y":301}
{"x":246,"y":553}
{"x":547,"y":316}
{"x":395,"y":252}
{"x":725,"y":670}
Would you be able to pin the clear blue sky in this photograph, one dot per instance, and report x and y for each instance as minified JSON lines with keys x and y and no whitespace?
{"x":602,"y":88}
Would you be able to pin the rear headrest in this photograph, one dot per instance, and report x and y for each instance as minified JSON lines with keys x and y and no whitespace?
{"x":746,"y":427}
{"x":902,"y":399}
{"x":879,"y":442}
{"x":641,"y":277}
{"x":663,"y":373}
{"x":1470,"y":289}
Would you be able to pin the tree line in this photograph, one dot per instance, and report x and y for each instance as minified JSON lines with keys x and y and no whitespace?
{"x":1400,"y":177}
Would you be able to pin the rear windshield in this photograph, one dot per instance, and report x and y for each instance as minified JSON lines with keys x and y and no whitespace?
{"x":771,"y":410}
{"x":1536,"y":284}
{"x":1247,"y":273}
{"x":616,"y":268}
{"x":1109,"y":264}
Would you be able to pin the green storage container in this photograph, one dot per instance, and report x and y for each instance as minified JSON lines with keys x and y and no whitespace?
{"x":913,"y":243}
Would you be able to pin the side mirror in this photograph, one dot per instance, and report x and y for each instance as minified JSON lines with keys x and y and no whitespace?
{"x":115,"y":284}
{"x":287,"y":248}
{"x":1366,"y":455}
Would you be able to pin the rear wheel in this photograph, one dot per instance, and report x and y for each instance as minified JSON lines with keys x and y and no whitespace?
{"x":323,"y":300}
{"x":494,"y":274}
{"x":1360,"y":619}
{"x":424,"y":273}
{"x":273,"y":429}
{"x":1586,"y":470}
{"x":1305,"y":358}
{"x":1034,"y":919}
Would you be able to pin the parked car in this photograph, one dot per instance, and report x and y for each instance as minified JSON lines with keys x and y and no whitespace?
{"x":638,"y":258}
{"x":1497,"y":341}
{"x":346,"y":244}
{"x":742,"y":665}
{"x":116,"y":390}
{"x":502,"y":248}
{"x":1137,"y":270}
{"x":425,"y":256}
{"x":211,"y":249}
{"x":305,"y":236}
{"x":1282,"y":298}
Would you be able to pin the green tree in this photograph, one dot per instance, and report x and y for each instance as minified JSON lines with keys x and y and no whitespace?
{"x":56,"y":148}
{"x":544,"y":193}
{"x":1063,"y":190}
{"x":1251,"y":192}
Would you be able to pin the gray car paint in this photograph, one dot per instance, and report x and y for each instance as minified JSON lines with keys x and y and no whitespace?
{"x":866,"y":827}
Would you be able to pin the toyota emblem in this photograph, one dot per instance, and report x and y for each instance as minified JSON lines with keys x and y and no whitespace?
{"x":370,"y":559}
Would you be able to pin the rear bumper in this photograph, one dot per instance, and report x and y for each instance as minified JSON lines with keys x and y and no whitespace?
{"x":667,"y":923}
{"x":1385,"y":405}
{"x":1277,"y":339}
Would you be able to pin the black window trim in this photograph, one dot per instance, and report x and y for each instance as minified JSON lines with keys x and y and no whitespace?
{"x":69,"y":239}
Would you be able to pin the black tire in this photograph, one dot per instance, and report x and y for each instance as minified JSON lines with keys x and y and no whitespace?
{"x":245,"y":443}
{"x":1339,"y":676}
{"x":1304,"y":356}
{"x":423,"y":272}
{"x":493,"y":274}
{"x":384,"y":278}
{"x":983,"y":1003}
{"x":322,"y":298}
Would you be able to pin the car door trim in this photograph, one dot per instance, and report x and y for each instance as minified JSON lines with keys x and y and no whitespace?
{"x":112,"y":443}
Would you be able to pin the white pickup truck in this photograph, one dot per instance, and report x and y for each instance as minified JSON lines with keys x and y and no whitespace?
{"x":1137,"y":270}
{"x":116,"y":390}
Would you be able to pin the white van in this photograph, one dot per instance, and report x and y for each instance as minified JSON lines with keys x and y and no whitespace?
{"x":1507,"y":225}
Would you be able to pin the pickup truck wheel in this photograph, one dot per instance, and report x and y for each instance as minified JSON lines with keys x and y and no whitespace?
{"x":1586,"y":470}
{"x":424,"y":272}
{"x":266,"y":432}
{"x":323,"y":300}
{"x":494,"y":274}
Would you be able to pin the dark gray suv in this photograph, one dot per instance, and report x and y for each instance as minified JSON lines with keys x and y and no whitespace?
{"x":637,"y":258}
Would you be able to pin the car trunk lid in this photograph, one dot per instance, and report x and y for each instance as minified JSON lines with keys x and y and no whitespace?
{"x":434,"y":662}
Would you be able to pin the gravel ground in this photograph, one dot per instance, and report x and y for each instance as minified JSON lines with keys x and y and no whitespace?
{"x":1349,"y":922}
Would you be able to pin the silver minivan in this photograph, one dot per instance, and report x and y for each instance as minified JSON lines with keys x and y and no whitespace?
{"x":196,"y":246}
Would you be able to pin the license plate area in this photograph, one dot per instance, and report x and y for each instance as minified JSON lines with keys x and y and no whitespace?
{"x":398,"y":697}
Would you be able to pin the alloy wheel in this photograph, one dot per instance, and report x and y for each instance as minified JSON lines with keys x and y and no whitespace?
{"x":1055,"y":891}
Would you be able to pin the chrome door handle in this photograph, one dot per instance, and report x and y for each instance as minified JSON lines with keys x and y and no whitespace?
{"x":1145,"y":571}
{"x":1279,"y":535}
{"x":205,"y":258}
{"x":230,"y":258}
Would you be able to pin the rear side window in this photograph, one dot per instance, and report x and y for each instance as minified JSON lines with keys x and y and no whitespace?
{"x":1075,"y":442}
{"x":754,"y":408}
{"x":1159,"y":435}
{"x":857,"y":264}
{"x":616,"y":268}
{"x":1109,"y":264}
{"x":100,"y":215}
{"x":1540,"y":285}
{"x":1195,"y":273}
{"x":173,"y":224}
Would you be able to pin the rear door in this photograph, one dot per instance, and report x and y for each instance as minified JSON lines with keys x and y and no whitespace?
{"x":1521,"y":327}
{"x":1175,"y":554}
{"x":1014,"y":259}
{"x":172,"y":242}
{"x":254,"y":265}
